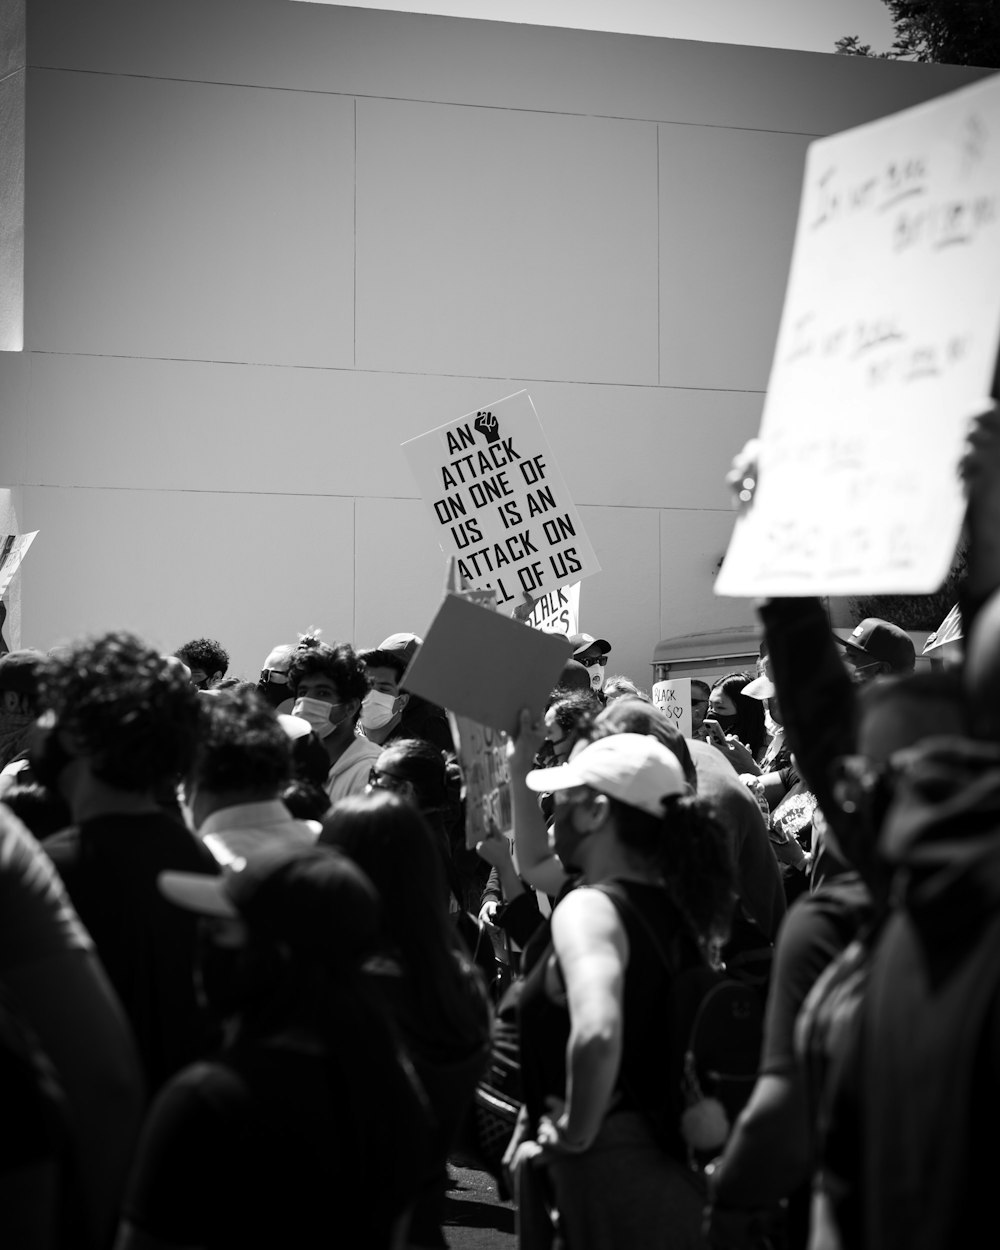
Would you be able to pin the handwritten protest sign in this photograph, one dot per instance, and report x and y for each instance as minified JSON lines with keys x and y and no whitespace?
{"x":673,"y":698}
{"x":499,"y":504}
{"x":557,"y":611}
{"x":887,"y":345}
{"x":482,"y":757}
{"x":12,"y":551}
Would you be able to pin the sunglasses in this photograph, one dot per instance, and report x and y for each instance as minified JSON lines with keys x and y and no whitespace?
{"x":382,"y":781}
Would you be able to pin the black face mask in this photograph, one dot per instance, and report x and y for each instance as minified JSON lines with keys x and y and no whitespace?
{"x":726,"y":723}
{"x":47,"y":757}
{"x":274,"y":692}
{"x":566,"y":838}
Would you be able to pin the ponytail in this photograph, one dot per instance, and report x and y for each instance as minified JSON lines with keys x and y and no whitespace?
{"x":693,"y":851}
{"x":696,"y":855}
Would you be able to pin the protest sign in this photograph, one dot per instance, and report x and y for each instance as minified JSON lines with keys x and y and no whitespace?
{"x":557,"y":611}
{"x":673,"y":698}
{"x":482,"y":757}
{"x":887,"y":345}
{"x":481,"y":664}
{"x":499,"y":504}
{"x":12,"y":551}
{"x":948,"y":634}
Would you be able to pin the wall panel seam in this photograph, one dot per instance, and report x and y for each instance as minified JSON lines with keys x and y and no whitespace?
{"x":404,"y":373}
{"x":502,"y":108}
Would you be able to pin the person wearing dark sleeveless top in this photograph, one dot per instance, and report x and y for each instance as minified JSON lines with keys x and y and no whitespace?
{"x":601,"y":1092}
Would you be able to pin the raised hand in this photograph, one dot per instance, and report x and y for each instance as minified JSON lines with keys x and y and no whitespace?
{"x":524,"y":610}
{"x":486,"y":423}
{"x":743,"y":474}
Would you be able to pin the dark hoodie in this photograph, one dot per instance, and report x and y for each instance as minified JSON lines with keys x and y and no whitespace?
{"x":930,"y":1040}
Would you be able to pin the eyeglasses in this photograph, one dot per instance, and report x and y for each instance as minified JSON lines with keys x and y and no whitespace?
{"x":382,"y":781}
{"x":593,"y":661}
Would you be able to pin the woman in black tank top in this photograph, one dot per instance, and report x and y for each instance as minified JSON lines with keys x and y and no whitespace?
{"x":655,"y":872}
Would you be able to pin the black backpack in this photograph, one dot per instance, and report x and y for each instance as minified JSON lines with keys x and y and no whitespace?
{"x":719,"y":1030}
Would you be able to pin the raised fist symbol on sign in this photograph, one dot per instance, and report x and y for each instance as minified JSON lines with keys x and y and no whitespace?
{"x":486,"y":423}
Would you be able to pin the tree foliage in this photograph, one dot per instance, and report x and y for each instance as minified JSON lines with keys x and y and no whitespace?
{"x":951,"y":32}
{"x":916,"y":612}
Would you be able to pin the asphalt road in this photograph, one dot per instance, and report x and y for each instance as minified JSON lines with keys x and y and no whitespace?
{"x":475,"y":1218}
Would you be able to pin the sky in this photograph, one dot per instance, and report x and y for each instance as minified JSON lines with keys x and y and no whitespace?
{"x":808,"y":25}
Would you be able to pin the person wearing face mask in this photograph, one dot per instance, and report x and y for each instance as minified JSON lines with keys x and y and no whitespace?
{"x":592,"y":653}
{"x":391,"y":714}
{"x":273,"y":680}
{"x":733,"y":715}
{"x":655,"y":874}
{"x":877,"y":648}
{"x":329,"y":686}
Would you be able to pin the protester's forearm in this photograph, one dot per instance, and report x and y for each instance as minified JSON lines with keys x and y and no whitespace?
{"x":593,"y":1057}
{"x":534,"y":860}
{"x":816,"y":694}
{"x":510,"y":883}
{"x":768,"y":1154}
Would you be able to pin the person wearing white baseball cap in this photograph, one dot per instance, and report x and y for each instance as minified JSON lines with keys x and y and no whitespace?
{"x":656,"y":875}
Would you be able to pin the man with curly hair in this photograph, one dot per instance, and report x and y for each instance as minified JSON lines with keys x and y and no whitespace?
{"x":207,"y":659}
{"x":329,"y":685}
{"x":120,"y":727}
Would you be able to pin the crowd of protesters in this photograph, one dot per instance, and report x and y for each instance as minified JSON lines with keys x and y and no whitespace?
{"x":252,"y":977}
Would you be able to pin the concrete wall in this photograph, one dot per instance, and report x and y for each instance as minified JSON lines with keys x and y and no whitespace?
{"x":266,"y":242}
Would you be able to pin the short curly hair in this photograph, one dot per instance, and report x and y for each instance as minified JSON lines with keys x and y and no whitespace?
{"x":340,"y":663}
{"x":205,"y":653}
{"x":124,"y":706}
{"x":242,"y":746}
{"x":378,"y":657}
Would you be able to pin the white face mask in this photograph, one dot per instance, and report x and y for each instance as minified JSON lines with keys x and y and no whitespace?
{"x":377,"y":709}
{"x":597,"y":676}
{"x":317,"y":713}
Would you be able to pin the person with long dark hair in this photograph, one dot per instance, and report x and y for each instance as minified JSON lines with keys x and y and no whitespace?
{"x":603,"y":1100}
{"x":736,"y":715}
{"x":436,"y":995}
{"x":417,"y":770}
{"x":308,"y":1128}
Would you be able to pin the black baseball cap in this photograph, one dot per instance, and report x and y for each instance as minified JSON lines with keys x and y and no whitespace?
{"x":880,"y":640}
{"x":313,"y":900}
{"x":584,"y":643}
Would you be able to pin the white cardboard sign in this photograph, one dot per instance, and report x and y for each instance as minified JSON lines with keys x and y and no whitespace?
{"x":887,"y":345}
{"x":13,"y":548}
{"x":499,"y":504}
{"x":557,"y":611}
{"x":673,"y":698}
